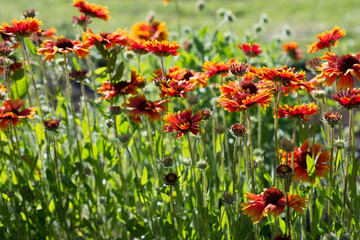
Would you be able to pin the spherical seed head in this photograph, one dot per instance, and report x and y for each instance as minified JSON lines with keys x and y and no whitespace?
{"x":167,"y":162}
{"x":51,"y":124}
{"x":239,"y":69}
{"x":332,"y":118}
{"x":29,"y":13}
{"x":320,"y":94}
{"x":220,"y":129}
{"x":284,"y":171}
{"x":171,"y":179}
{"x":286,"y":145}
{"x":79,"y":75}
{"x":187,"y":161}
{"x":192,"y":100}
{"x":227,"y":198}
{"x":238,"y":130}
{"x":339,"y":144}
{"x":109,"y":123}
{"x":202,"y":165}
{"x":206,"y":113}
{"x":115,"y":110}
{"x":125,"y":138}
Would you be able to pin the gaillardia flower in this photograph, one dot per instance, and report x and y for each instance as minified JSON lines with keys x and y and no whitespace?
{"x":92,"y":10}
{"x":152,"y":31}
{"x":297,"y":111}
{"x":345,"y":68}
{"x":348,"y":98}
{"x":143,"y":107}
{"x":283,"y":75}
{"x":111,"y":90}
{"x":21,"y":28}
{"x":64,"y":46}
{"x":138,"y":46}
{"x":321,"y":159}
{"x":175,"y":88}
{"x":163,"y":48}
{"x":51,"y":124}
{"x":82,"y":21}
{"x":183,"y":122}
{"x":214,"y":68}
{"x":293,"y":51}
{"x":332,"y":118}
{"x":250,"y":50}
{"x":110,"y":40}
{"x":271,"y":202}
{"x":236,"y":99}
{"x":10,"y":113}
{"x":327,"y":40}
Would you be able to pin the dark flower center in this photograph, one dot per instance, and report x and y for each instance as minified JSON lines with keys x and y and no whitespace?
{"x":143,"y":106}
{"x":347,"y":62}
{"x":301,"y":159}
{"x":272,"y":196}
{"x":249,"y":85}
{"x":64,"y":43}
{"x":104,"y":35}
{"x":188,"y":75}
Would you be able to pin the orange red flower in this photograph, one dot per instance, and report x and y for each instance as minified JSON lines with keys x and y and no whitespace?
{"x":214,"y":68}
{"x":64,"y":46}
{"x":283,"y":75}
{"x":271,"y":202}
{"x":250,"y":50}
{"x":235,"y":98}
{"x":13,"y":67}
{"x":321,"y":159}
{"x":327,"y":40}
{"x":176,"y":88}
{"x":10,"y":113}
{"x":82,"y":21}
{"x":92,"y":9}
{"x":138,"y":46}
{"x":21,"y":28}
{"x":110,"y":40}
{"x":183,"y":122}
{"x":344,"y":68}
{"x":348,"y":98}
{"x":297,"y":111}
{"x":178,"y":73}
{"x":293,"y":51}
{"x":143,"y":107}
{"x":41,"y":35}
{"x":152,"y":31}
{"x":163,"y":48}
{"x":111,"y":90}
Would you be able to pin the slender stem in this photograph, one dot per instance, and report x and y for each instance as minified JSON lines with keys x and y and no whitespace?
{"x":292,"y":154}
{"x":222,"y":165}
{"x":139,"y":61}
{"x":26,"y":56}
{"x":91,"y":75}
{"x":347,"y":167}
{"x":251,"y":154}
{"x":314,"y":132}
{"x":152,"y":149}
{"x":286,"y":188}
{"x":19,"y":154}
{"x":56,"y":164}
{"x":72,"y":109}
{"x":162,"y":67}
{"x":276,"y":124}
{"x":172,"y":208}
{"x":7,"y":79}
{"x":259,"y":127}
{"x":331,"y":176}
{"x":239,"y":176}
{"x":234,"y":166}
{"x":222,"y":214}
{"x":133,"y":164}
{"x":227,"y":148}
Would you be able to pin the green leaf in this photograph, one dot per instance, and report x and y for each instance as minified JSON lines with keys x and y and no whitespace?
{"x":165,"y":197}
{"x":52,"y":206}
{"x":76,"y":63}
{"x":100,"y":70}
{"x":144,"y":176}
{"x":30,"y":46}
{"x":19,"y":88}
{"x":101,"y":49}
{"x":282,"y":224}
{"x":119,"y":72}
{"x":310,"y":166}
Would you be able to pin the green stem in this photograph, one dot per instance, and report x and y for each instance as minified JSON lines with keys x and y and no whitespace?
{"x":251,"y":154}
{"x":331,"y":176}
{"x":314,"y":132}
{"x":234,"y":166}
{"x":277,"y":104}
{"x":347,"y":168}
{"x":152,"y":149}
{"x":72,"y":108}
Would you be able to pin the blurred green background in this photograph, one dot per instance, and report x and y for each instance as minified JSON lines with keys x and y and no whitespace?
{"x":304,"y":18}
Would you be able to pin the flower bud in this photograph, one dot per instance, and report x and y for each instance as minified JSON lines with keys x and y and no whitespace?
{"x":227,"y":198}
{"x":109,"y":123}
{"x":286,"y":145}
{"x":79,"y":75}
{"x":220,"y":129}
{"x":125,"y":138}
{"x":171,"y":179}
{"x":238,"y":130}
{"x":202,"y":165}
{"x":332,"y":118}
{"x":115,"y":110}
{"x":319,"y":94}
{"x":284,"y":171}
{"x":206,"y":113}
{"x":192,"y":100}
{"x":167,"y":162}
{"x":339,"y":144}
{"x":29,"y":13}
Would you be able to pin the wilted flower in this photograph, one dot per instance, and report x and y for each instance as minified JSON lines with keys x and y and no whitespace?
{"x":167,"y":162}
{"x":332,"y":118}
{"x":238,"y":130}
{"x":115,"y":110}
{"x":5,"y":49}
{"x":284,"y":171}
{"x":313,"y":64}
{"x":29,"y":13}
{"x":79,"y":75}
{"x":348,"y":98}
{"x":51,"y":124}
{"x":207,"y":113}
{"x":171,"y":179}
{"x":227,"y":198}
